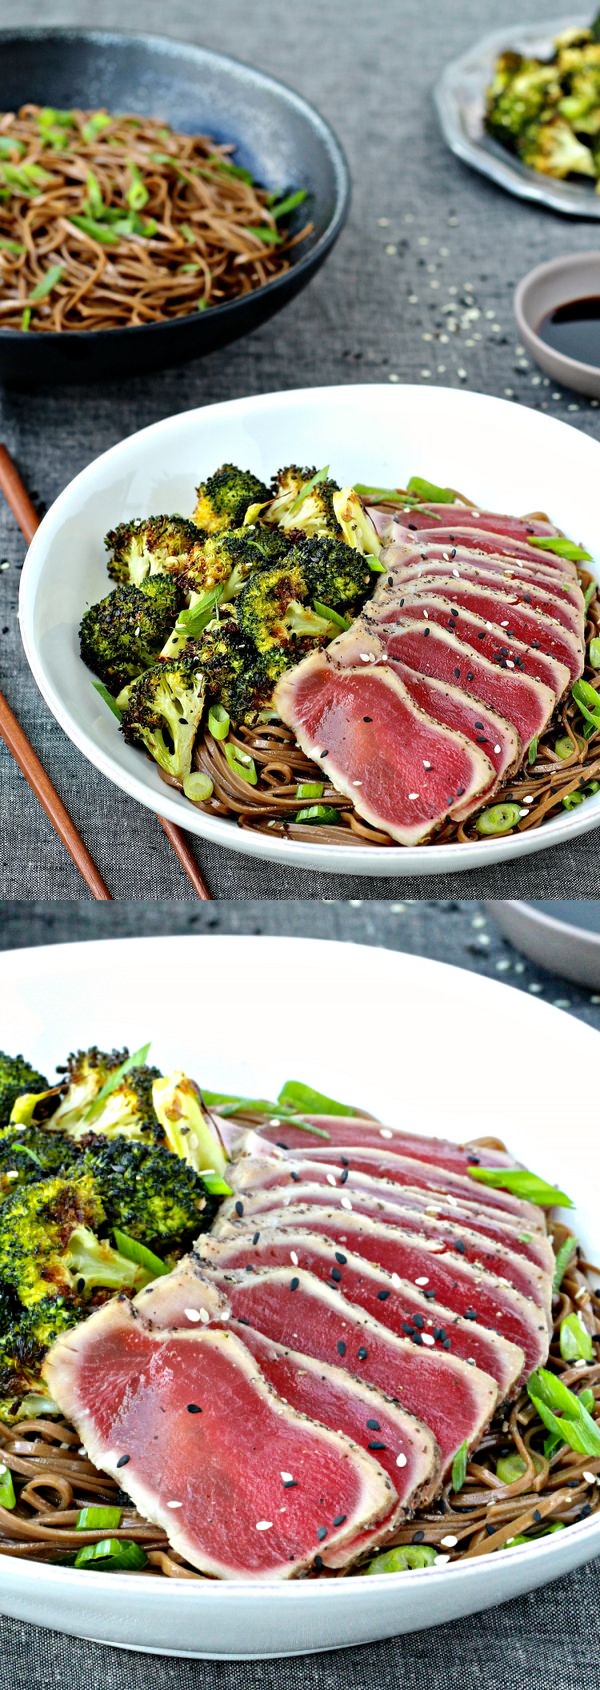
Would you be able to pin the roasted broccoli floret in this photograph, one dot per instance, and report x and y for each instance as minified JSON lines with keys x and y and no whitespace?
{"x":228,"y":559}
{"x":153,"y":545}
{"x":124,"y":634}
{"x":274,"y":611}
{"x":163,"y":712}
{"x":553,"y":149}
{"x":301,"y":502}
{"x":355,"y":524}
{"x":581,"y":106}
{"x":224,"y":498}
{"x":521,"y":91}
{"x":49,"y":1246}
{"x":148,"y":1192}
{"x":28,"y":1154}
{"x":23,"y":1345}
{"x":16,"y":1077}
{"x":188,"y":1130}
{"x":336,"y":575}
{"x":94,"y":1103}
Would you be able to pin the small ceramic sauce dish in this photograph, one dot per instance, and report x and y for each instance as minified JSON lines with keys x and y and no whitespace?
{"x":557,"y":308}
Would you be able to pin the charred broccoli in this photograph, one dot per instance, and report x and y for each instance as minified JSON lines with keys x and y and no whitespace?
{"x":49,"y":1246}
{"x":188,"y":1131}
{"x":28,"y":1154}
{"x":336,"y":574}
{"x":124,"y":634}
{"x":153,"y":545}
{"x":545,"y":109}
{"x":522,"y":89}
{"x":228,"y":558}
{"x":301,"y":502}
{"x":16,"y":1077}
{"x":103,"y":1098}
{"x":164,"y":710}
{"x":23,"y":1345}
{"x":147,"y":1191}
{"x":235,"y":673}
{"x":224,"y":498}
{"x":274,"y":612}
{"x":553,"y":149}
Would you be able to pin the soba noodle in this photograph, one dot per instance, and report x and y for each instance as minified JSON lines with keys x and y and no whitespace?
{"x":110,"y":222}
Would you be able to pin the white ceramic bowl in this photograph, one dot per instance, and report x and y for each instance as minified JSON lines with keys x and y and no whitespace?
{"x":333,"y":1005}
{"x":505,"y":456}
{"x":551,"y":940}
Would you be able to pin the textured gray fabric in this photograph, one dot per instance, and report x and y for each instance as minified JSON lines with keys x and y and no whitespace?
{"x":549,"y":1639}
{"x":370,"y":68}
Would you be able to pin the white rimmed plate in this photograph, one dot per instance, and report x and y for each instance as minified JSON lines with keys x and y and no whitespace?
{"x":460,"y":103}
{"x":507,"y":457}
{"x":319,"y":1002}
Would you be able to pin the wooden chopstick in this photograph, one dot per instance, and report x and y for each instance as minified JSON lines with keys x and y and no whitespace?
{"x":25,"y":514}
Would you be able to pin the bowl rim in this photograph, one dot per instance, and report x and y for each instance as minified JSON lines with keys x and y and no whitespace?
{"x":195,"y":51}
{"x":297,"y":1590}
{"x":555,"y":924}
{"x":545,"y":271}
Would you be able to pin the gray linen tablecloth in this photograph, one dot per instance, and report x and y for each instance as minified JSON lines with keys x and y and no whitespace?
{"x":548,"y":1639}
{"x":372,"y":315}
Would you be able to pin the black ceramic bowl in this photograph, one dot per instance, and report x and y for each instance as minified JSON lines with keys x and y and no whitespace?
{"x":278,"y":136}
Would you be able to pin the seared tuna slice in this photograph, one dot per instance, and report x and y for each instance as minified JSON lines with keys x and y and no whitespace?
{"x":513,"y":621}
{"x":407,"y":1170}
{"x":404,"y":771}
{"x":456,"y":709}
{"x":553,"y":595}
{"x":171,"y":1406}
{"x":497,"y":1258}
{"x":426,"y":645}
{"x":296,"y":1309}
{"x":362,"y":1130}
{"x":396,"y":1302}
{"x":405,"y":1448}
{"x":479,"y":542}
{"x":416,"y":517}
{"x":471,"y":1291}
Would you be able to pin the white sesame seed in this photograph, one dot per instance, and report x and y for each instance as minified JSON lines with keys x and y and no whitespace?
{"x":357,"y":783}
{"x":294,"y":1258}
{"x":391,"y":251}
{"x":345,"y":1202}
{"x":413,"y":795}
{"x":191,"y":1314}
{"x":422,"y":1281}
{"x":449,"y":1542}
{"x":426,"y":1338}
{"x":174,"y":1505}
{"x":385,"y":1132}
{"x":396,"y":1280}
{"x":263,"y":1525}
{"x":287,"y":1478}
{"x":440,"y":1561}
{"x":401,"y":1461}
{"x":426,"y":764}
{"x":330,"y":1179}
{"x":590,"y":1478}
{"x":497,"y":750}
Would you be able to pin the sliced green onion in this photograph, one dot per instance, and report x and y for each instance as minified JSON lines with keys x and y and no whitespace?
{"x":589,"y":594}
{"x":288,"y":204}
{"x":523,"y":1184}
{"x":563,"y":1257}
{"x":532,"y":752}
{"x":114,"y":1554}
{"x":403,"y":1559}
{"x":219,"y":721}
{"x":215,"y":1185}
{"x":194,"y":620}
{"x":572,"y":800}
{"x":588,"y":701}
{"x":25,"y":1150}
{"x":137,"y":194}
{"x":198,"y":787}
{"x":331,"y":615}
{"x":562,"y":547}
{"x":594,"y":653}
{"x":459,"y":1467}
{"x":382,"y":495}
{"x":98,"y":121}
{"x":575,"y":1341}
{"x":186,"y":230}
{"x":319,"y":475}
{"x":114,"y":1080}
{"x":7,"y":1489}
{"x":108,"y":698}
{"x":429,"y":490}
{"x":14,"y":247}
{"x":500,"y":818}
{"x":564,"y":747}
{"x":189,"y":269}
{"x":306,"y":1099}
{"x":563,"y":1412}
{"x":320,"y":814}
{"x":133,"y":1251}
{"x":101,"y":232}
{"x":98,"y":1519}
{"x":241,"y":763}
{"x":26,"y":319}
{"x":94,"y":202}
{"x":8,"y":145}
{"x":310,"y":789}
{"x":510,"y":1468}
{"x":228,"y":1105}
{"x":48,"y":282}
{"x":530,"y":1537}
{"x":269,"y":236}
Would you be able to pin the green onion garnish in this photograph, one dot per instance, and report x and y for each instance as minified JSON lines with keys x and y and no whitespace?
{"x":429,"y":490}
{"x":230,"y":169}
{"x":26,"y":319}
{"x":562,"y":548}
{"x":523,"y":1184}
{"x":186,"y":230}
{"x":530,"y":1537}
{"x":113,"y":1554}
{"x":320,"y":814}
{"x":198,"y":787}
{"x":532,"y":752}
{"x":133,"y":1251}
{"x":98,"y":121}
{"x":319,"y":475}
{"x":98,"y":1519}
{"x":288,"y":204}
{"x":575,"y":1341}
{"x":9,"y":145}
{"x":108,"y":698}
{"x":48,"y":282}
{"x":500,"y":818}
{"x":563,"y":1257}
{"x":241,"y":763}
{"x":590,"y":593}
{"x":219,"y":721}
{"x":563,"y":1412}
{"x":97,"y":231}
{"x":310,"y":789}
{"x":193,"y":621}
{"x":306,"y":1099}
{"x":215,"y":1185}
{"x":136,"y":1061}
{"x":269,"y":236}
{"x":510,"y":1468}
{"x":7,"y":1489}
{"x":403,"y":1559}
{"x":594,"y":653}
{"x":564,"y":747}
{"x":588,"y":701}
{"x":14,"y":247}
{"x":459,"y":1467}
{"x":331,"y":615}
{"x":572,"y":800}
{"x":137,"y":194}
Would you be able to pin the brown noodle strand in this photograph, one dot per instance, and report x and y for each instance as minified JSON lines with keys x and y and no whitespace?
{"x":204,"y":216}
{"x":484,"y":1516}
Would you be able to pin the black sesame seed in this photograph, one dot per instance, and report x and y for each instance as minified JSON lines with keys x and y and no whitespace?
{"x":339,"y":1519}
{"x":81,"y":1285}
{"x":536,"y":1514}
{"x":382,"y":1296}
{"x":426,"y":633}
{"x":294,"y":1283}
{"x":446,"y":1343}
{"x":417,"y":1339}
{"x":408,"y":1327}
{"x":341,"y":1347}
{"x":321,"y":1533}
{"x":318,"y":1563}
{"x":294,"y":1175}
{"x":344,"y":1161}
{"x":343,"y":1176}
{"x":256,"y":1238}
{"x":429,"y":1294}
{"x":362,"y":1353}
{"x":335,"y":1274}
{"x":123,"y":1459}
{"x":365,"y":719}
{"x":583,"y":1512}
{"x":418,"y":1321}
{"x":373,"y":1425}
{"x":457,"y":674}
{"x":193,"y":1408}
{"x":470,"y":1314}
{"x":375,"y":1445}
{"x":460,"y":1246}
{"x":239,"y":1208}
{"x":417,"y":1537}
{"x":289,"y":1484}
{"x":340,"y":1257}
{"x":490,"y":1528}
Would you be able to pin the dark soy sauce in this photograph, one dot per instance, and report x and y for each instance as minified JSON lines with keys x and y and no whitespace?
{"x":574,"y":330}
{"x":578,"y":912}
